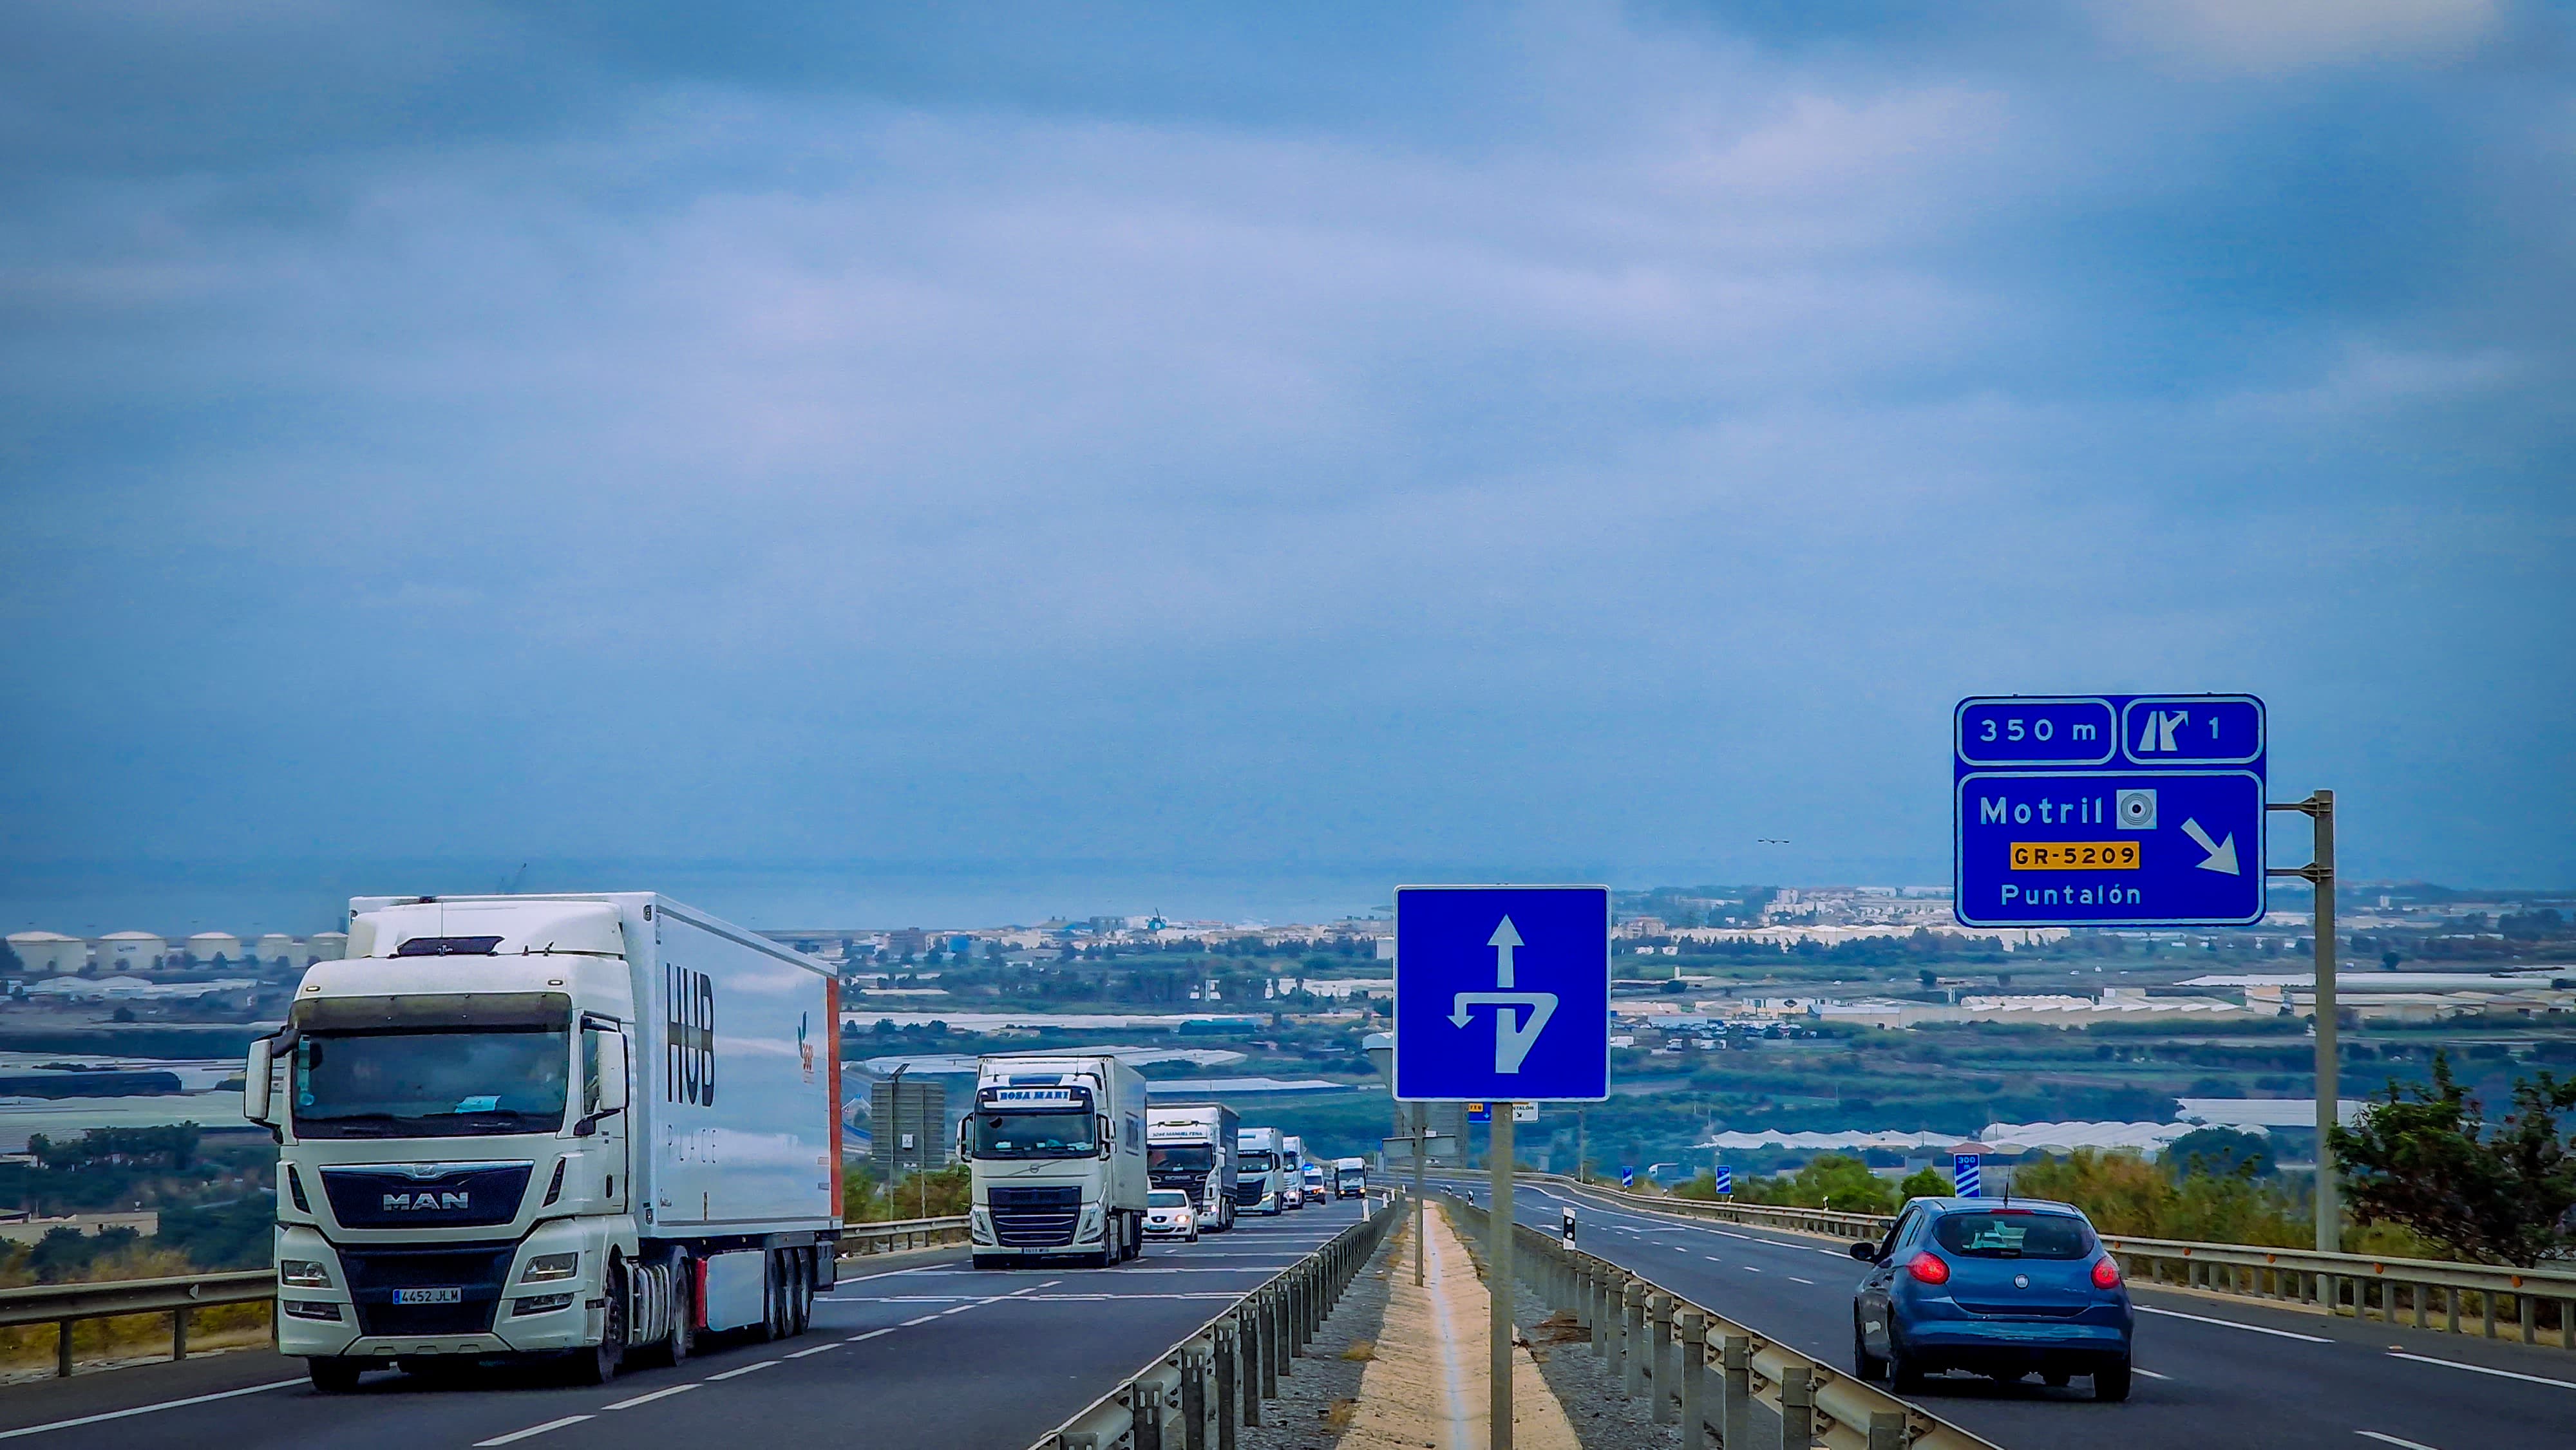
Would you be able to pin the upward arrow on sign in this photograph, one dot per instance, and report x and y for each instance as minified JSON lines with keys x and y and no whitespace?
{"x":1502,"y":941}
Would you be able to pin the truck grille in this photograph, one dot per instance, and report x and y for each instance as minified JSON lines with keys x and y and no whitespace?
{"x":1247,"y":1192}
{"x":1034,"y":1218}
{"x":469,"y":1195}
{"x":475,"y":1271}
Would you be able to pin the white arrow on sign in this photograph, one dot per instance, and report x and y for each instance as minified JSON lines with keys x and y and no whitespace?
{"x":1514,"y":1035}
{"x":2222,"y":854}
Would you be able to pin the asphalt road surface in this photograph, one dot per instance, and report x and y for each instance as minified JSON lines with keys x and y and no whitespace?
{"x":2212,"y":1372}
{"x":935,"y":1354}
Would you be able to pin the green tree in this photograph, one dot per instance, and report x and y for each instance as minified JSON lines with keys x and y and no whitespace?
{"x":2425,"y":1158}
{"x":1929,"y":1183}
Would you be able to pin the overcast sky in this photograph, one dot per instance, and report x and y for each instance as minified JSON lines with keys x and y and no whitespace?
{"x":846,"y":463}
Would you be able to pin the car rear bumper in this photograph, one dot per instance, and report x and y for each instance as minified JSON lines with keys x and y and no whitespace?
{"x":2031,"y":1344}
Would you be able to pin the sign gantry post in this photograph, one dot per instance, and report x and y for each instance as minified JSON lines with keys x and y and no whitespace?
{"x":1502,"y":996}
{"x":2320,"y":873}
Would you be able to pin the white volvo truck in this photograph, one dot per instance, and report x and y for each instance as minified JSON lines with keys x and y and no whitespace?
{"x":1192,"y":1149}
{"x":1262,"y":1186}
{"x":583,"y":1125}
{"x":1055,"y":1154}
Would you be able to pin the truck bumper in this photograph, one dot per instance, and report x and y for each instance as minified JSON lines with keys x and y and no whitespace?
{"x":355,"y":1317}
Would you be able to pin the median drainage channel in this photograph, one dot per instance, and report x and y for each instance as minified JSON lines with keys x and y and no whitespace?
{"x":1275,"y":1369}
{"x":1637,"y":1365}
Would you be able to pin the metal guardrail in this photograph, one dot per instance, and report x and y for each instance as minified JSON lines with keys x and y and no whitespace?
{"x":2425,"y":1293}
{"x":1662,"y":1346}
{"x":1193,"y":1395}
{"x":64,"y":1305}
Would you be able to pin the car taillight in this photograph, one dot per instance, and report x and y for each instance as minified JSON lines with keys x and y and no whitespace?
{"x":2106,"y":1273}
{"x":1929,"y":1267}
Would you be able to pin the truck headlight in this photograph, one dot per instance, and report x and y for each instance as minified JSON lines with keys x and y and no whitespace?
{"x":303,"y":1274}
{"x":546,"y":1268}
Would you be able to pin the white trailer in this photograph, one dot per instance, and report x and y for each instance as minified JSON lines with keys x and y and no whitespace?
{"x":584,"y":1125}
{"x":1193,"y":1149}
{"x":1055,"y":1153}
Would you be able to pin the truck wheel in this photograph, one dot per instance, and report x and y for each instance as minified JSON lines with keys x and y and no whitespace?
{"x":598,"y":1364}
{"x":332,"y":1376}
{"x":800,"y":1298}
{"x":684,"y":1312}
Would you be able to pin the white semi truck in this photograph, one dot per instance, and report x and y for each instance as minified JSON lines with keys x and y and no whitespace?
{"x":1055,"y":1152}
{"x":578,"y":1125}
{"x":1193,"y":1149}
{"x":1292,"y":1161}
{"x":1263,"y":1186}
{"x":1350,"y":1178}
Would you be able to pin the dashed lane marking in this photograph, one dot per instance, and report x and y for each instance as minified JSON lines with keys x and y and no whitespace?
{"x":735,"y":1373}
{"x":817,"y":1349}
{"x":2248,"y":1328}
{"x":648,"y":1399}
{"x":871,"y":1334}
{"x":2483,"y":1369}
{"x":924,"y":1319}
{"x":1794,"y":1279}
{"x":2392,"y":1440}
{"x":148,"y":1409}
{"x":2151,"y":1374}
{"x":531,"y":1430}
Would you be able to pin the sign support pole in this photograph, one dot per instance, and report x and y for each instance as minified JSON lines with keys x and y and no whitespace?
{"x":1498,"y":1274}
{"x":1421,"y":1147}
{"x":2320,"y":873}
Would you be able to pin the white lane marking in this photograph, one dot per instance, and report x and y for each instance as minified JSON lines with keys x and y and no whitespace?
{"x":2151,"y":1374}
{"x":2392,"y":1440}
{"x":531,"y":1430}
{"x":648,"y":1399}
{"x":746,"y":1369}
{"x":962,"y":1308}
{"x":2482,"y":1369}
{"x":1712,"y":1258}
{"x":864,"y":1338}
{"x":817,"y":1349}
{"x":924,"y":1319}
{"x":1748,"y":1268}
{"x":2230,"y":1324}
{"x":1794,"y":1279}
{"x":148,"y":1409}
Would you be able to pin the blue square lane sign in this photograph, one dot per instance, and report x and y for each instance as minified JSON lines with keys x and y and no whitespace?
{"x":1502,"y":993}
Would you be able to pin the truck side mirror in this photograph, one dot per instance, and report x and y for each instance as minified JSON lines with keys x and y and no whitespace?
{"x":255,"y":1082}
{"x":608,"y":1089}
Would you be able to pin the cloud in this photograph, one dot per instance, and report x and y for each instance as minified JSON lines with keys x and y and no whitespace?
{"x":2273,"y":37}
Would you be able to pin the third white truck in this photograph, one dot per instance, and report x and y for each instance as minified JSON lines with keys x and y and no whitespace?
{"x":1193,"y":1149}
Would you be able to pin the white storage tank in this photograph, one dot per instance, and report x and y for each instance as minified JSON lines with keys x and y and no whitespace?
{"x":326,"y":946}
{"x":278,"y":949}
{"x":49,"y":953}
{"x":206,"y":946}
{"x":124,"y":953}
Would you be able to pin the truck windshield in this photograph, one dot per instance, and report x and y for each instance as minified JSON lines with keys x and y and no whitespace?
{"x":1259,"y":1162}
{"x":432,"y":1067}
{"x":1180,"y":1158}
{"x":1034,"y":1135}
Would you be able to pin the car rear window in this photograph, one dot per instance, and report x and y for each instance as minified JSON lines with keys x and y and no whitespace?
{"x":2009,"y":1235}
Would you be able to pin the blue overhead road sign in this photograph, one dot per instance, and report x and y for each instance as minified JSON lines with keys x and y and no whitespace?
{"x":1502,"y":993}
{"x":2109,"y":810}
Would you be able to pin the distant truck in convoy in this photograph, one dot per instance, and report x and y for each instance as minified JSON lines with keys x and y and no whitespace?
{"x":1193,"y":1149}
{"x":1263,"y":1186}
{"x":589,"y":1126}
{"x":1055,"y":1153}
{"x":1292,"y":1162}
{"x":1350,"y":1178}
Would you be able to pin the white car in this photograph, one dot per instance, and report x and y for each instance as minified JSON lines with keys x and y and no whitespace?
{"x":1168,"y":1215}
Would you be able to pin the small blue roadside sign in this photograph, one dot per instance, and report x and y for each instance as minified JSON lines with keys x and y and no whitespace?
{"x":2109,"y":810}
{"x":1627,"y":1177}
{"x":1480,"y":1112}
{"x":1965,"y":1179}
{"x":1725,"y":1179}
{"x":1502,"y":993}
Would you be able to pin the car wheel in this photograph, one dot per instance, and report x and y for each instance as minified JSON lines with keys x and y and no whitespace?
{"x":332,"y":1376}
{"x":2111,"y":1382}
{"x":1904,"y":1375}
{"x":1865,"y":1364}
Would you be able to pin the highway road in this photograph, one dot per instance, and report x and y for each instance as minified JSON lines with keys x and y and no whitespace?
{"x":934,"y":1354}
{"x":2212,"y":1372}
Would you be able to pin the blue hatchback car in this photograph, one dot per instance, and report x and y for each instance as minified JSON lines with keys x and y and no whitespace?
{"x":1998,"y":1288}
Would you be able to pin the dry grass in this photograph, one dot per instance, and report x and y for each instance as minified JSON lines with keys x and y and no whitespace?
{"x":1341,"y":1414}
{"x":32,"y":1346}
{"x":1361,"y":1350}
